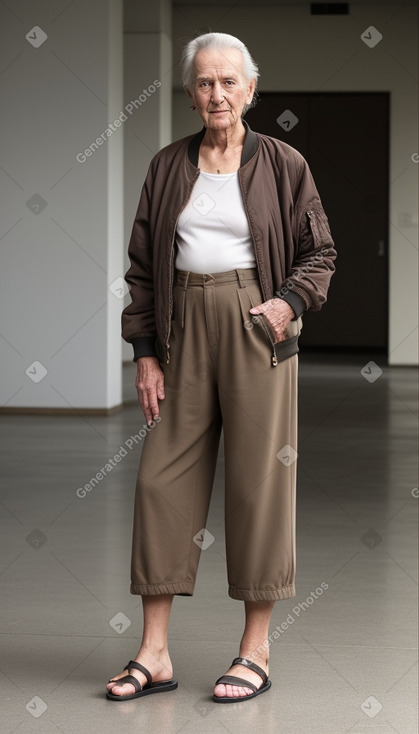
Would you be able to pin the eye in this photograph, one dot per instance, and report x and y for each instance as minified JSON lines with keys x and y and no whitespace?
{"x":229,"y":82}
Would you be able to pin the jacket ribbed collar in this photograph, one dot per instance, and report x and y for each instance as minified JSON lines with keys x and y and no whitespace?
{"x":250,"y":146}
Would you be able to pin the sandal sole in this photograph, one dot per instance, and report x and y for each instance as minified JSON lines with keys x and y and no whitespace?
{"x":157,"y":687}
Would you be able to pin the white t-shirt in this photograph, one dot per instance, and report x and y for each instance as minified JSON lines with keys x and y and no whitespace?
{"x":213,"y":233}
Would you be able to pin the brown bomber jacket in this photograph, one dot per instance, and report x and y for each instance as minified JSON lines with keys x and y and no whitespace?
{"x":294,"y":249}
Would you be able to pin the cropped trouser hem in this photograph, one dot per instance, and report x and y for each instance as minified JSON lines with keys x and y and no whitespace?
{"x":184,"y":588}
{"x":287,"y":592}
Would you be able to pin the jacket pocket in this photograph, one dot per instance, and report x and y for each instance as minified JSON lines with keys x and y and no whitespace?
{"x":251,"y":296}
{"x":319,"y":226}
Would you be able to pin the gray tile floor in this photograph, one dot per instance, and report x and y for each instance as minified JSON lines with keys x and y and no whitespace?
{"x":343,"y":662}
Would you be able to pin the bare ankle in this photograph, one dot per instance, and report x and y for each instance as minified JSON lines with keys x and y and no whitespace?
{"x":261,"y":660}
{"x":157,"y":650}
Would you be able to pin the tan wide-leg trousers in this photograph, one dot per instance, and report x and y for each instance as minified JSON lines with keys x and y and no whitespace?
{"x":220,"y":375}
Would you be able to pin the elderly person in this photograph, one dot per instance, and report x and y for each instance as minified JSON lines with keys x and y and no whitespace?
{"x":229,"y":247}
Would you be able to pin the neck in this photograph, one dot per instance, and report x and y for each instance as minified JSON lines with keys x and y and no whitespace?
{"x":223,"y":139}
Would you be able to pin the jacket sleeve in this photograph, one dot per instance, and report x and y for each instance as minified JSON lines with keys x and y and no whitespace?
{"x":308,"y":278}
{"x":138,"y":318}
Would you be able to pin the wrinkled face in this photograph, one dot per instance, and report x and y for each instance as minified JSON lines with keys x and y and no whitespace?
{"x":220,"y":89}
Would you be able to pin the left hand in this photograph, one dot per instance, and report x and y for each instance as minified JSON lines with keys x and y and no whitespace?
{"x":279,"y":313}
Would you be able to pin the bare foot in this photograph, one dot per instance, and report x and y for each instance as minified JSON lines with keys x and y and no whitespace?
{"x":158,"y":664}
{"x":241,"y":671}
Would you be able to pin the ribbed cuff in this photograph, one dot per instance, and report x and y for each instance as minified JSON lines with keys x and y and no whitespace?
{"x":144,"y":346}
{"x":295,"y":301}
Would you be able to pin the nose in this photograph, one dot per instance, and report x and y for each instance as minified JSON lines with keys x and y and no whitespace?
{"x":217,"y":95}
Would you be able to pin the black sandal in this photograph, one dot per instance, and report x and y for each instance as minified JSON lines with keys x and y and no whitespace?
{"x":234,"y":681}
{"x":149,"y":687}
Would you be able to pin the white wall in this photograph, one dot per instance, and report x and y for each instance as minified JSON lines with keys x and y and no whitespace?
{"x":57,"y":262}
{"x":115,"y":225}
{"x":147,"y":58}
{"x":300,"y":52}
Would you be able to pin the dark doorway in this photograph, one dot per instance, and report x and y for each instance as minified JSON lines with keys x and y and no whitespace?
{"x":344,"y":137}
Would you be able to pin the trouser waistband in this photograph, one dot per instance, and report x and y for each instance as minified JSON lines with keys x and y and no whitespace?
{"x":187,"y":278}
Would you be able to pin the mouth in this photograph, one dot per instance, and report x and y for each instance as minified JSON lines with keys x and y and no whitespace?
{"x":218,"y":112}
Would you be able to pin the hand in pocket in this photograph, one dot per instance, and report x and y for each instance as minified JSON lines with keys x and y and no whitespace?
{"x":279,"y":314}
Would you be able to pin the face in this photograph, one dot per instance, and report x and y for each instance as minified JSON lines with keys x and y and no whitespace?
{"x":221,"y":90}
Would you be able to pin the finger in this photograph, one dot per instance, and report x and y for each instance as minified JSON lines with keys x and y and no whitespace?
{"x":147,"y":410}
{"x":148,"y":415}
{"x":153,"y":405}
{"x":160,"y":389}
{"x":264,"y":307}
{"x":143,"y":400}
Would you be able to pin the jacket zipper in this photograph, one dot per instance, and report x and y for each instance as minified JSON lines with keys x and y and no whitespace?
{"x":274,"y":358}
{"x":251,"y":232}
{"x":167,"y":344}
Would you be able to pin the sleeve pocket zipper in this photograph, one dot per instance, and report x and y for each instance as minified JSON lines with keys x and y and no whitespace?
{"x":319,"y":227}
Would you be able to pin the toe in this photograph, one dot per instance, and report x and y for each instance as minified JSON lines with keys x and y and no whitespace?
{"x":237,"y":691}
{"x":220,"y":690}
{"x":121,"y":690}
{"x":229,"y":691}
{"x":113,"y":682}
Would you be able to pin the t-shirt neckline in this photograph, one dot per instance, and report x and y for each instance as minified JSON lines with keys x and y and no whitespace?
{"x":218,"y":175}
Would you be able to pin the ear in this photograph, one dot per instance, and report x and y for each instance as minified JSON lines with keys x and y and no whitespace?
{"x":250,"y":91}
{"x":191,"y":96}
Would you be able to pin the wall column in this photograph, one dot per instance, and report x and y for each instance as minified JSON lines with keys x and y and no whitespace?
{"x":61,"y":234}
{"x":148,"y":89}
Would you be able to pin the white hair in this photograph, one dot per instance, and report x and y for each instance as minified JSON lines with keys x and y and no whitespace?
{"x":216,"y":41}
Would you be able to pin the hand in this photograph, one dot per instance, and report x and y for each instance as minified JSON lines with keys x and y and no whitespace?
{"x":279,"y":313}
{"x":150,"y":386}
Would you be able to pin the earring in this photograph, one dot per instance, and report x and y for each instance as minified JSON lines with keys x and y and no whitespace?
{"x":192,"y":107}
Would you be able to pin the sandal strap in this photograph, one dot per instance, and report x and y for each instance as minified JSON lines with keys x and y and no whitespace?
{"x":232,"y":680}
{"x":141,"y":668}
{"x":127,"y":679}
{"x":252,"y":666}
